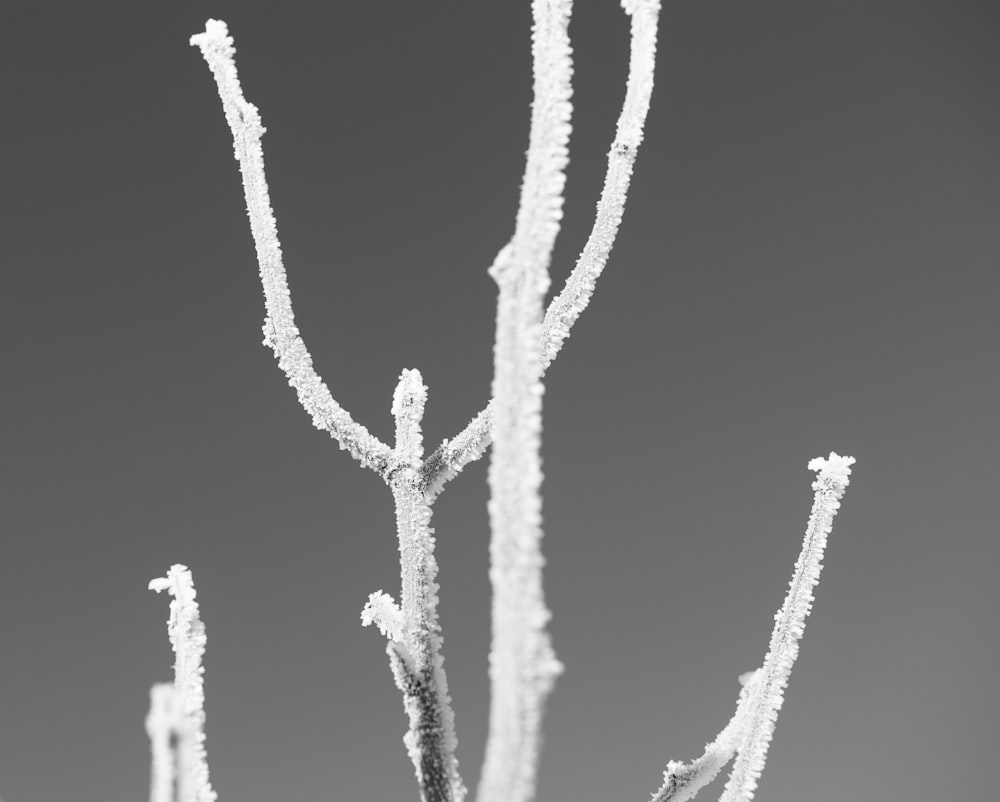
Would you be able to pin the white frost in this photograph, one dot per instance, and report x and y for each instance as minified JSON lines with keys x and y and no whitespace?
{"x":280,"y":332}
{"x":186,"y":705}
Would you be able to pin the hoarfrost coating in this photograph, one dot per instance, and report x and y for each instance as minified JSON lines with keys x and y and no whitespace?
{"x":523,"y":663}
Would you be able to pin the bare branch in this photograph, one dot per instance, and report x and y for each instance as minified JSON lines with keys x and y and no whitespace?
{"x":183,"y":709}
{"x":768,"y":692}
{"x":412,"y":626}
{"x":681,"y":781}
{"x":523,"y":666}
{"x":451,"y":456}
{"x":280,"y":332}
{"x":748,"y":734}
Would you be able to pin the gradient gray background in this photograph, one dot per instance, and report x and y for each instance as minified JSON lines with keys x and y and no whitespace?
{"x":808,"y":263}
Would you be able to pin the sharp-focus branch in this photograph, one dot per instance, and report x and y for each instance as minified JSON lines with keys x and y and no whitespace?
{"x":412,"y":626}
{"x":280,"y":332}
{"x":767,"y":693}
{"x":748,"y":734}
{"x":451,"y":456}
{"x":681,"y":781}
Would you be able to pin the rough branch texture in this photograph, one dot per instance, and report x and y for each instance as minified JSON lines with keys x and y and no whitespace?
{"x":523,"y":665}
{"x":280,"y":332}
{"x":452,"y":455}
{"x":748,"y":734}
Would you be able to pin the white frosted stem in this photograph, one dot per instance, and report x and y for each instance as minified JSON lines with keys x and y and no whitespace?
{"x":748,"y":734}
{"x":412,"y":626}
{"x":564,"y":310}
{"x":417,"y":661}
{"x":681,"y":781}
{"x":523,"y":666}
{"x":161,"y":729}
{"x":767,"y":696}
{"x":187,"y":636}
{"x":408,"y":403}
{"x":280,"y":331}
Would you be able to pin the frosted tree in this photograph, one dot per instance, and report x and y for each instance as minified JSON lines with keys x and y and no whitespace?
{"x":523,"y":663}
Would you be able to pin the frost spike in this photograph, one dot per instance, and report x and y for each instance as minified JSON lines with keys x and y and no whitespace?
{"x":187,"y":701}
{"x":451,"y":456}
{"x":280,"y":332}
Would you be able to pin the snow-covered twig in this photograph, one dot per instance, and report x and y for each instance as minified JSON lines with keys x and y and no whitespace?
{"x":280,"y":332}
{"x":412,"y":626}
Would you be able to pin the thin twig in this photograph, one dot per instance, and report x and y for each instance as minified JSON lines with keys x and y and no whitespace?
{"x":280,"y":332}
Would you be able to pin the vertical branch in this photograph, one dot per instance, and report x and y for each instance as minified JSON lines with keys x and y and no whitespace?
{"x":523,"y":666}
{"x":186,"y":705}
{"x":161,"y":727}
{"x":412,"y":627}
{"x":469,"y":445}
{"x":280,"y":332}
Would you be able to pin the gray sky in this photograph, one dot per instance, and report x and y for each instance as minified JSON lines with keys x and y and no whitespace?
{"x":808,"y":263}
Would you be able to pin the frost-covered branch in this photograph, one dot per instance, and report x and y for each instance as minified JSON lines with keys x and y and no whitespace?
{"x":767,"y":695}
{"x":181,"y":709}
{"x":523,"y":666}
{"x":748,"y":734}
{"x":451,"y":456}
{"x":280,"y":332}
{"x":681,"y":781}
{"x":412,"y":627}
{"x":161,"y":727}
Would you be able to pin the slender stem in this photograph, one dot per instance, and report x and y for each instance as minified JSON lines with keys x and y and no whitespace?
{"x":280,"y":332}
{"x":417,"y":662}
{"x":452,"y":455}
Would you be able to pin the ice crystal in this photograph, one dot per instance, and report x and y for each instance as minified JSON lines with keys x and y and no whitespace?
{"x":768,"y":690}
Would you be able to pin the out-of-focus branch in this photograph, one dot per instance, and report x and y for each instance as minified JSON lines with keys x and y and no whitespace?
{"x":181,"y":709}
{"x":523,"y":666}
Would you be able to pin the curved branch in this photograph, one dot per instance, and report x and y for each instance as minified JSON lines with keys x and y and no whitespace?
{"x":280,"y":331}
{"x":748,"y":734}
{"x":768,"y":692}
